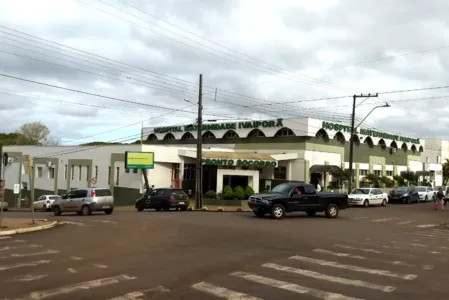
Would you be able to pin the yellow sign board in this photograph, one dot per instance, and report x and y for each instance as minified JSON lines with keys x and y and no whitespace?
{"x":139,"y":160}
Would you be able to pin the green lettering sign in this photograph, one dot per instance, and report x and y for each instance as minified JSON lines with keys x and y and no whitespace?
{"x":240,"y":163}
{"x":369,"y":132}
{"x":223,"y":126}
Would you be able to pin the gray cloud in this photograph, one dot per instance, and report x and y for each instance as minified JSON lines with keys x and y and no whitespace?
{"x":346,"y":34}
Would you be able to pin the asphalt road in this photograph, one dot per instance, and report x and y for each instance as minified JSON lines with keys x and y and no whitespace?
{"x":375,"y":253}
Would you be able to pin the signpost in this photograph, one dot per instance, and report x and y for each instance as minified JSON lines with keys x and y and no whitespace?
{"x":141,"y":161}
{"x":16,"y":193}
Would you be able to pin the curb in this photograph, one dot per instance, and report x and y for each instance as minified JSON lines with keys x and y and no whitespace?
{"x":30,"y":229}
{"x":205,"y":209}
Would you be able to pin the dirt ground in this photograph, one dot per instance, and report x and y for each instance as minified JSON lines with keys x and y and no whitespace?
{"x":14,"y":223}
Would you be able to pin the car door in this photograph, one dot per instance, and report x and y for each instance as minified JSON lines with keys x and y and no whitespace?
{"x":156,"y":197}
{"x":380,"y":196}
{"x":79,"y":198}
{"x":67,"y":203}
{"x":414,"y":195}
{"x":38,"y":203}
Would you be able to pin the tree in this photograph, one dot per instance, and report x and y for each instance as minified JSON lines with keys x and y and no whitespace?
{"x":341,"y":176}
{"x":35,"y":133}
{"x":8,"y":139}
{"x":410,"y":176}
{"x":399,"y":180}
{"x":446,"y":171}
{"x":373,"y":179}
{"x":387,"y":182}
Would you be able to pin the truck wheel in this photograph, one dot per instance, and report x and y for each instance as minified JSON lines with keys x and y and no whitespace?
{"x":311,"y":213}
{"x":277,"y":212}
{"x":259,"y":214}
{"x":332,"y":211}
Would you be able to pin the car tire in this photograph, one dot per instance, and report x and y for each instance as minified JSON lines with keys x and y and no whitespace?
{"x":158,"y":209}
{"x":332,"y":211}
{"x":85,"y":210}
{"x":44,"y":208}
{"x":426,"y":199}
{"x":311,"y":213}
{"x":108,"y":211}
{"x":277,"y":212}
{"x":259,"y":214}
{"x":366,"y":203}
{"x":140,"y":206}
{"x":384,"y":202}
{"x":57,"y":210}
{"x":183,"y":208}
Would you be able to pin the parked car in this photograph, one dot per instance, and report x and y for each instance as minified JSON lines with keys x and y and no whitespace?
{"x":163,"y":199}
{"x":299,"y":196}
{"x":425,"y":193}
{"x":45,"y":202}
{"x":85,"y":201}
{"x":367,"y":196}
{"x":404,"y":194}
{"x":5,"y":205}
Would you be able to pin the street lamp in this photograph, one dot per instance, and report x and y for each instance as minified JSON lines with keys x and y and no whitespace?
{"x":351,"y":140}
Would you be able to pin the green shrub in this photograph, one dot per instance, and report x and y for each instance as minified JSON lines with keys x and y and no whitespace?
{"x":249,"y":191}
{"x":238,"y":188}
{"x":239,"y":194}
{"x":211,"y":195}
{"x":228,"y":194}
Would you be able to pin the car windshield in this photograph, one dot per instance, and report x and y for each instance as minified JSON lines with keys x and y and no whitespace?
{"x":421,"y":189}
{"x":283,"y":188}
{"x":401,"y":189}
{"x":360,"y":191}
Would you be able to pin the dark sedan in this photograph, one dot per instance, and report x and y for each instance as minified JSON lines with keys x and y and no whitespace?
{"x":404,"y":194}
{"x":163,"y":199}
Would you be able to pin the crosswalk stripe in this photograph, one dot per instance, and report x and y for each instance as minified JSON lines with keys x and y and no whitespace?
{"x":403,"y":223}
{"x":4,"y":237}
{"x":384,"y":220}
{"x":20,"y":265}
{"x":361,"y":249}
{"x":64,"y":290}
{"x":292,"y":287}
{"x":316,"y":275}
{"x":339,"y":254}
{"x":19,"y":247}
{"x":138,"y":294}
{"x":35,"y":253}
{"x":222,"y":292}
{"x":353,"y":267}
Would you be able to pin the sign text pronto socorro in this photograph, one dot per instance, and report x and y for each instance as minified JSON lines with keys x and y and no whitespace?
{"x":369,"y":132}
{"x":240,"y":163}
{"x":222,"y":126}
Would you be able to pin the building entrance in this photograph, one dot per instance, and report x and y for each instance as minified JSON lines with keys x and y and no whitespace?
{"x":209,"y":178}
{"x":235,"y":180}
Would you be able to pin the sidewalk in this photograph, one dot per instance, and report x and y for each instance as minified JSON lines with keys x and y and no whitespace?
{"x":14,"y":224}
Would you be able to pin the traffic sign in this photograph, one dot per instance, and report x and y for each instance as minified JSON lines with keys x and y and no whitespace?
{"x":16,"y":188}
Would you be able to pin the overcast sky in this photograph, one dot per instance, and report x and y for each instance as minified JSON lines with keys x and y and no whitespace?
{"x":265,"y":58}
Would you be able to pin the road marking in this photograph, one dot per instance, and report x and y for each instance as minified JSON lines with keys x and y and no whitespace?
{"x":36,"y":253}
{"x":4,"y":237}
{"x":361,"y":249}
{"x":19,"y":247}
{"x":71,"y":270}
{"x":104,"y":221}
{"x":137,"y":295}
{"x":426,"y":225}
{"x":427,"y":267}
{"x":339,"y":254}
{"x":30,"y":277}
{"x":29,"y":264}
{"x":75,"y":258}
{"x":64,"y":290}
{"x":316,"y":275}
{"x":358,"y":218}
{"x":403,"y":223}
{"x":74,"y":223}
{"x":353,"y":268}
{"x":222,"y":292}
{"x":435,"y":252}
{"x":100,"y":266}
{"x":291,"y":287}
{"x":384,"y":220}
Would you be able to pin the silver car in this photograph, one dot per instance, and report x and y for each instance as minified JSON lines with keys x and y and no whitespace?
{"x":45,"y":202}
{"x":85,"y":201}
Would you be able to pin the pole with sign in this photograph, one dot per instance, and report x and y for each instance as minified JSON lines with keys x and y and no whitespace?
{"x":4,"y":163}
{"x":31,"y":178}
{"x":16,"y":193}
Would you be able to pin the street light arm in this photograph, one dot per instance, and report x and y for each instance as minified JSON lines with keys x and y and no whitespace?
{"x":379,"y":106}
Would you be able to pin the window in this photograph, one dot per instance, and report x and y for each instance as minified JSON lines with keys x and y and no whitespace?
{"x":109,"y":175}
{"x":126,"y":170}
{"x":51,"y":173}
{"x":65,"y":171}
{"x":189,"y":172}
{"x":135,"y":171}
{"x":102,"y":192}
{"x":72,"y":170}
{"x":438,"y":159}
{"x":96,"y":172}
{"x":79,"y":194}
{"x":363,"y":172}
{"x":40,"y":171}
{"x":389,"y":173}
{"x":87,"y":174}
{"x":280,"y":173}
{"x":117,"y":181}
{"x":79,"y":172}
{"x":377,"y":172}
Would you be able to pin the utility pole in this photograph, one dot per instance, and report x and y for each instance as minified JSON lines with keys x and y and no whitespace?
{"x":351,"y":140}
{"x":2,"y":187}
{"x":199,"y":146}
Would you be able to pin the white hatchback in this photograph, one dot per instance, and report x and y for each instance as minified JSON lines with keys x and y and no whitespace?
{"x":45,"y":202}
{"x":425,"y":193}
{"x":367,"y":196}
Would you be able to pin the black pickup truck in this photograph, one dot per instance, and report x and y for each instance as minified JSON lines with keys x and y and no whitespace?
{"x":297,"y":196}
